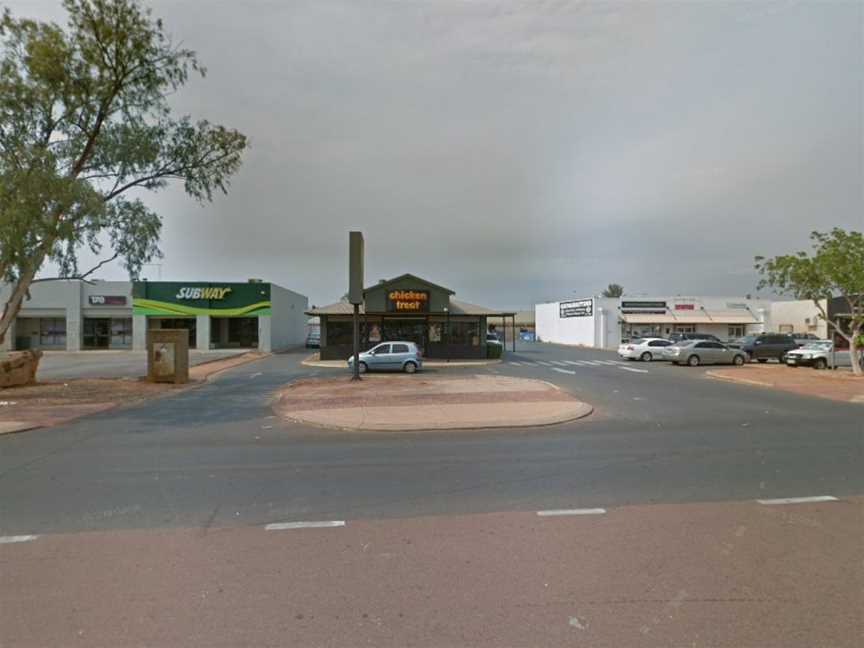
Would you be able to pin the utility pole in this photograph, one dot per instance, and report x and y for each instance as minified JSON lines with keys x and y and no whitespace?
{"x":355,"y":291}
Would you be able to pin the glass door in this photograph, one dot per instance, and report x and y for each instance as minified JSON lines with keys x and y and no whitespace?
{"x":97,"y":333}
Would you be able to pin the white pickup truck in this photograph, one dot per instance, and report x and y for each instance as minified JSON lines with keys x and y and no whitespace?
{"x":819,"y":355}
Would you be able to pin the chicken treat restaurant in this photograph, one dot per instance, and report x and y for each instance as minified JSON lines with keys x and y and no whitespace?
{"x":412,"y":309}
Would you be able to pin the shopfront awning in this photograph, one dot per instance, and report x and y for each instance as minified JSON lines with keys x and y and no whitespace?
{"x":703,"y":318}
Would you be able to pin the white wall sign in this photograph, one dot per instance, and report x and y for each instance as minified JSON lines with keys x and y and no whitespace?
{"x":576,"y":308}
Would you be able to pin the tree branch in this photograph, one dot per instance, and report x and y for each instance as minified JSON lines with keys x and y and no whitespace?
{"x":81,"y":277}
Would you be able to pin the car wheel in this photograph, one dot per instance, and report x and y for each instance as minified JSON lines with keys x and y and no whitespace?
{"x":762,"y":360}
{"x":820,"y":363}
{"x":646,"y":357}
{"x":362,"y":368}
{"x":410,"y":367}
{"x":693,"y":361}
{"x":738,"y":360}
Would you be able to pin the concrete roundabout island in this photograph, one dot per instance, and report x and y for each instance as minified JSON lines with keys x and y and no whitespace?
{"x":396,"y":402}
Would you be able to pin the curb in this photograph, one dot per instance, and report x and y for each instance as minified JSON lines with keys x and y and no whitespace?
{"x":432,"y":364}
{"x":585,"y":411}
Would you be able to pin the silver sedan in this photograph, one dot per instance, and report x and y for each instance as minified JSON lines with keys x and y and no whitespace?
{"x":697,"y":352}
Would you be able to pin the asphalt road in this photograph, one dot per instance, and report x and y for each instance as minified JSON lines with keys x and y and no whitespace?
{"x":151,"y":521}
{"x":216,"y":455}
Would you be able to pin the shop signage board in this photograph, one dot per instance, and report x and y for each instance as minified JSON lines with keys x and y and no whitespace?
{"x":685,"y":307}
{"x":645,"y":307}
{"x":107,"y":300}
{"x":576,"y":308}
{"x":200,"y":298}
{"x":408,"y":301}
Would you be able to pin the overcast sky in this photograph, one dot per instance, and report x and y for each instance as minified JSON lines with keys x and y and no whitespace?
{"x":517,"y":151}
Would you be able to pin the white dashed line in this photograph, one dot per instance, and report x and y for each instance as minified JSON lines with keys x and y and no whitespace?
{"x":17,"y":538}
{"x":558,"y":362}
{"x":634,"y":370}
{"x":560,"y":512}
{"x":798,"y":500}
{"x":608,"y":362}
{"x":572,"y":362}
{"x":255,"y":375}
{"x":323,"y":524}
{"x":589,"y":363}
{"x":564,"y":371}
{"x":513,"y":362}
{"x":544,"y":363}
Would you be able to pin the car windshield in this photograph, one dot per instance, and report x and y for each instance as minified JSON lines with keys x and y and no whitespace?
{"x":818,"y":346}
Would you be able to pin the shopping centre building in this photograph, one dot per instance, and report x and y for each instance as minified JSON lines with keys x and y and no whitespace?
{"x":603,"y":322}
{"x":75,"y":315}
{"x":413,"y":309}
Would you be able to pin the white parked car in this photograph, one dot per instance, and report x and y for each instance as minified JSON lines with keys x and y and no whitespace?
{"x":819,"y":355}
{"x":644,"y":349}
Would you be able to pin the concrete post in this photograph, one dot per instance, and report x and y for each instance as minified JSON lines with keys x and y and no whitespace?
{"x":202,"y":332}
{"x":265,"y":341}
{"x":139,"y":332}
{"x":74,"y":322}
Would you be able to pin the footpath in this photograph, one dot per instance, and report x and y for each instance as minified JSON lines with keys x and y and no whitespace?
{"x":397,"y":402}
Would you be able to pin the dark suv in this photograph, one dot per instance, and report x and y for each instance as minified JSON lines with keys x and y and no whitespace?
{"x":768,"y":345}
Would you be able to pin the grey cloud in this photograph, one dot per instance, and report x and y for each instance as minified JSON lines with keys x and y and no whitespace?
{"x":519,"y":151}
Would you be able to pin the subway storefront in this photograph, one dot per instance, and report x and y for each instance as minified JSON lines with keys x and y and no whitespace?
{"x":413,"y":309}
{"x":253,"y":315}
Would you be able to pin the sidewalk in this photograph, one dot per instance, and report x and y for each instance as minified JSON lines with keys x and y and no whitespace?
{"x":839,"y":385}
{"x":52,"y":403}
{"x":394,"y":402}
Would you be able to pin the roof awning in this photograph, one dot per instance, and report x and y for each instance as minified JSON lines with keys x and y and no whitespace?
{"x":704,"y":318}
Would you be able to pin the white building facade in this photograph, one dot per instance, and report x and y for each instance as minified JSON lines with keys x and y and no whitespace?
{"x":601,"y":322}
{"x":73,"y":315}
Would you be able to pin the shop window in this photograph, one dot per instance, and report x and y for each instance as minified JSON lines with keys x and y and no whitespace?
{"x":464,"y":333}
{"x":339,"y":332}
{"x":121,"y":331}
{"x":736,"y":331}
{"x":52,"y":331}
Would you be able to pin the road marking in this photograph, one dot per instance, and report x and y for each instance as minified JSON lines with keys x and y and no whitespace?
{"x":321,"y":524}
{"x":255,"y":375}
{"x":618,"y":362}
{"x":513,"y":362}
{"x":634,"y":370}
{"x":558,"y":362}
{"x":564,"y":371}
{"x":798,"y":500}
{"x":544,"y":363}
{"x":607,"y":362}
{"x":18,"y":538}
{"x":529,"y":364}
{"x":572,"y":362}
{"x":589,"y":362}
{"x":560,"y":512}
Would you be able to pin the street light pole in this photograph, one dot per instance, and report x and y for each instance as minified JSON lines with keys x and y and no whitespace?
{"x":447,"y":332}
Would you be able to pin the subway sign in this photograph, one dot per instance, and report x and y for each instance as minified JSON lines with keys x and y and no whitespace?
{"x":198,"y":292}
{"x":408,"y":301}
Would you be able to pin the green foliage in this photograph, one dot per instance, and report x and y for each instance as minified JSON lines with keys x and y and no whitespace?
{"x":614,"y":290}
{"x":84,"y":119}
{"x":835,"y":268}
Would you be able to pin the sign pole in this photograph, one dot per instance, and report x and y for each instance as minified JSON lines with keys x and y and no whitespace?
{"x":355,"y":291}
{"x":356,"y":369}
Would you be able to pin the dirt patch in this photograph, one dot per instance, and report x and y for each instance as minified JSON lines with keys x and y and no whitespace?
{"x":58,"y":402}
{"x":835,"y":385}
{"x":51,"y":403}
{"x":398,"y":402}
